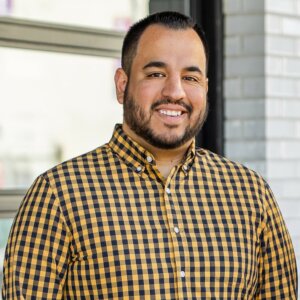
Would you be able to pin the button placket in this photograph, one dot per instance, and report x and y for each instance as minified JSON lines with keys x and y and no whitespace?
{"x":138,"y":169}
{"x":176,"y":231}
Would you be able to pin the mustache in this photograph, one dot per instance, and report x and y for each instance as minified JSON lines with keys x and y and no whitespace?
{"x":169,"y":101}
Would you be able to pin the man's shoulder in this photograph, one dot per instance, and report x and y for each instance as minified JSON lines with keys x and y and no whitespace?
{"x":235,"y":177}
{"x":223,"y":165}
{"x":86,"y":163}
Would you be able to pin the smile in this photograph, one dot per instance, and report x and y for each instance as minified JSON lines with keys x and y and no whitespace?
{"x":172,"y":113}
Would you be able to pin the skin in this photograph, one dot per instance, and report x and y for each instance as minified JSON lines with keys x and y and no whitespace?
{"x":168,"y":76}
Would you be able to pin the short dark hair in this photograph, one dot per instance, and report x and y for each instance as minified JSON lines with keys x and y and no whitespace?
{"x":169,"y":19}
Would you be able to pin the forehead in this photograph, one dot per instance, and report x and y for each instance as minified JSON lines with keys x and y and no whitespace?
{"x":162,"y":43}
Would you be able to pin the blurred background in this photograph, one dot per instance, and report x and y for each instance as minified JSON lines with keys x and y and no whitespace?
{"x":57,"y":97}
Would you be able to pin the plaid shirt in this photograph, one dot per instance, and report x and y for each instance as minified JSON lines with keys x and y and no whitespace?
{"x":106,"y":225}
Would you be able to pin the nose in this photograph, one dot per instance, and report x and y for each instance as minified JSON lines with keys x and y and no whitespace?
{"x":173,"y":88}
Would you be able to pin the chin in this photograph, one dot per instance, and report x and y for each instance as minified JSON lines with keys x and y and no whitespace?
{"x":166,"y":141}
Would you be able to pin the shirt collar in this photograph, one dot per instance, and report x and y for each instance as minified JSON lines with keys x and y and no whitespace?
{"x":137,"y":156}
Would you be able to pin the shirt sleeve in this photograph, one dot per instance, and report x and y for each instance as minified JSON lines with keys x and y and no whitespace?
{"x":278,"y":268}
{"x":37,"y":253}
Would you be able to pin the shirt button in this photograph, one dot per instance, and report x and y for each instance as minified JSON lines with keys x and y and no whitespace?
{"x":176,"y":229}
{"x":168,"y":191}
{"x":149,"y":159}
{"x":185,"y":167}
{"x":182,"y":274}
{"x":139,"y":169}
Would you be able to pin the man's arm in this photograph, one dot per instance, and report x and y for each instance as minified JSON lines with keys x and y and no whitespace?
{"x":278,"y":268}
{"x":37,"y":253}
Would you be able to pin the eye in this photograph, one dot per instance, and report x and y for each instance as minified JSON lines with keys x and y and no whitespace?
{"x":191,"y":78}
{"x":155,"y":75}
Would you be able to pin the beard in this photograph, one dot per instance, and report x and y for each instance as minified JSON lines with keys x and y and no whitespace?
{"x":139,"y":122}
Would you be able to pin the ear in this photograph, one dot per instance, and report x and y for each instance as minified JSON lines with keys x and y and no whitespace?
{"x":121,"y":80}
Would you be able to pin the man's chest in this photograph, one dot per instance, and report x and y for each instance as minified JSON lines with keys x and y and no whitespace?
{"x":191,"y":241}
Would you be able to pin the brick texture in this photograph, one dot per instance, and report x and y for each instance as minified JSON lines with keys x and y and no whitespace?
{"x":262,"y":96}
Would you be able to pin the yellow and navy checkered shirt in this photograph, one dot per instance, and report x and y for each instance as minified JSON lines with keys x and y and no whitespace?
{"x":106,"y":225}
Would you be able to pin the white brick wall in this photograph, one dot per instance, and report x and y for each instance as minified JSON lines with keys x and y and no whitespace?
{"x":262,"y":96}
{"x":244,"y":82}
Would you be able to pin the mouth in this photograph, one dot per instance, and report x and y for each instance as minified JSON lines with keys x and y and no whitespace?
{"x":170,"y":113}
{"x":170,"y":108}
{"x":171,"y":116}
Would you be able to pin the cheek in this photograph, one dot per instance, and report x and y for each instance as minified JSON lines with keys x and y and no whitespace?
{"x":146,"y":94}
{"x":197,"y":98}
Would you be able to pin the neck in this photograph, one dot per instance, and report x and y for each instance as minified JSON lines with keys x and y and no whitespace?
{"x":165,"y":159}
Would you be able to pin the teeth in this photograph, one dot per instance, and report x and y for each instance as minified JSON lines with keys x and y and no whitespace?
{"x":173,"y":113}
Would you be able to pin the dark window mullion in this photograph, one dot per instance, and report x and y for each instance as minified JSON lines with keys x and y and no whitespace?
{"x":209,"y":15}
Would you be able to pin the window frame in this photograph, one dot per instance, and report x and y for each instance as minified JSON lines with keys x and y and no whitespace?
{"x":52,"y":37}
{"x":34,"y":35}
{"x":10,"y":200}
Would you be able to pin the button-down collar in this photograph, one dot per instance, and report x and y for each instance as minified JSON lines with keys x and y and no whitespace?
{"x":138,"y":157}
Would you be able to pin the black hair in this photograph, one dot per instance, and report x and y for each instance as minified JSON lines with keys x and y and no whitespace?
{"x":169,"y":19}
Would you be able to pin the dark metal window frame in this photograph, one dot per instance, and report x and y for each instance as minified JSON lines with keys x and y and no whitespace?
{"x":210,"y":15}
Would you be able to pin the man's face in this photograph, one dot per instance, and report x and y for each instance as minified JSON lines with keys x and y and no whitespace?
{"x":165,"y":96}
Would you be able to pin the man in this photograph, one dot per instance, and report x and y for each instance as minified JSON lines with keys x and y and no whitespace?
{"x":148,"y":215}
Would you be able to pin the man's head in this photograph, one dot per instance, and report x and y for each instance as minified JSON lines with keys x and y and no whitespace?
{"x":172,"y":20}
{"x":162,"y":83}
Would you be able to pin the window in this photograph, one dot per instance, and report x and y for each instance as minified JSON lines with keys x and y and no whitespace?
{"x":56,"y":106}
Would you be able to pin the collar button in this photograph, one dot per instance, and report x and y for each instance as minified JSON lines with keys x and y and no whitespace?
{"x":149,"y":159}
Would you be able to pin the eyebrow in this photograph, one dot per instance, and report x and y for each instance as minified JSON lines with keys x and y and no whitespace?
{"x":160,"y":64}
{"x":155,"y":64}
{"x":193,"y":69}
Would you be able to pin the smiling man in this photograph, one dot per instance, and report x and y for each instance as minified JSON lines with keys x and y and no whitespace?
{"x":149,"y":215}
{"x":163,"y":91}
